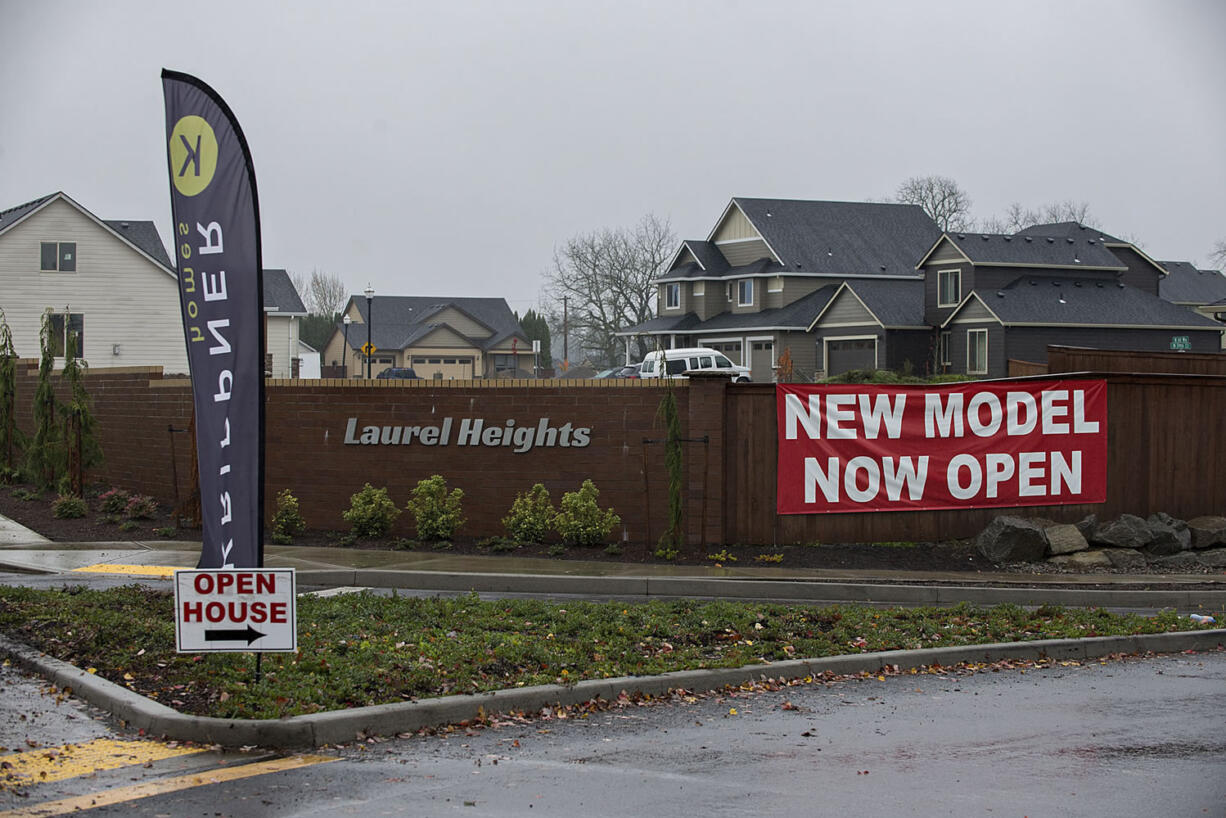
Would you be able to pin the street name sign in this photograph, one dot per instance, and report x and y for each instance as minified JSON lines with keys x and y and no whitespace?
{"x":228,"y":610}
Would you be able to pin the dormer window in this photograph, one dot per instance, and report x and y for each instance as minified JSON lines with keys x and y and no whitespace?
{"x":58,"y":257}
{"x":745,"y":292}
{"x":672,"y":296}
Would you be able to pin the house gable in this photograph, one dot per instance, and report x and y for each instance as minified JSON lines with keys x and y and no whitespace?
{"x":461,"y":322}
{"x":972,"y":310}
{"x":944,"y":251}
{"x":442,"y":336}
{"x":124,"y":300}
{"x":738,"y":240}
{"x":844,"y":310}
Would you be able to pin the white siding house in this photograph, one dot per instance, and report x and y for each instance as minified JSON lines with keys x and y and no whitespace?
{"x":111,"y":281}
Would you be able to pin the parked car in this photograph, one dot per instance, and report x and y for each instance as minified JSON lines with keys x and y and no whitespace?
{"x":400,"y":373}
{"x":676,"y":363}
{"x":628,"y":371}
{"x":608,"y":373}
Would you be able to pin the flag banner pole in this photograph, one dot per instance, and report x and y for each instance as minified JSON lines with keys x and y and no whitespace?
{"x":221,"y":294}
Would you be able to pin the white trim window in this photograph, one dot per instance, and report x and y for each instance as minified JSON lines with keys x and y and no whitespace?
{"x":949,"y":287}
{"x":699,"y":289}
{"x":672,"y":296}
{"x":976,"y":352}
{"x":943,"y":349}
{"x":744,"y":292}
{"x":775,"y":285}
{"x":65,"y":326}
{"x":58,"y":257}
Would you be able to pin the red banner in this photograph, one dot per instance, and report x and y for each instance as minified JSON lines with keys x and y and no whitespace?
{"x":861,"y":447}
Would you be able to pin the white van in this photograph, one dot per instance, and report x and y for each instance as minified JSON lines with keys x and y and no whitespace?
{"x":677,"y":363}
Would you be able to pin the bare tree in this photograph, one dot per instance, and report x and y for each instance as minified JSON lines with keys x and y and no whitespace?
{"x":327,"y":293}
{"x":606,"y":277}
{"x":941,"y":198}
{"x":1217,"y":256}
{"x":1017,"y":217}
{"x":299,"y":281}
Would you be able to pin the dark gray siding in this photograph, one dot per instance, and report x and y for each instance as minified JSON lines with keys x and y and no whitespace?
{"x":1141,"y":274}
{"x":1030,"y":343}
{"x":932,"y":313}
{"x":803,"y":349}
{"x":997,"y":358}
{"x":909,"y":346}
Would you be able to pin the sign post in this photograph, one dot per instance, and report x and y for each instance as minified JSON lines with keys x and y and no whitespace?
{"x":236,"y":611}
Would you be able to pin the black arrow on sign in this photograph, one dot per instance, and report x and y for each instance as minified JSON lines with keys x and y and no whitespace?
{"x":248,"y":635}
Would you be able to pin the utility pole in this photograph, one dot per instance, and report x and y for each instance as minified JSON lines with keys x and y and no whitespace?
{"x":565,"y":339}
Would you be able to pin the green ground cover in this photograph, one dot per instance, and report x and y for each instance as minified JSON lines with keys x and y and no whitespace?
{"x":362,"y":649}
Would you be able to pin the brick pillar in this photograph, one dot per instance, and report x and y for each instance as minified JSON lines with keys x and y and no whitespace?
{"x":705,"y":416}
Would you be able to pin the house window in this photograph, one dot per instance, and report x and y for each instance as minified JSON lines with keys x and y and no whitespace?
{"x":63,"y":327}
{"x":699,"y":288}
{"x":745,"y":292}
{"x":976,"y":352}
{"x":506,"y":363}
{"x":943,"y":349}
{"x":672,"y":296}
{"x":58,"y":257}
{"x":728,"y":290}
{"x":775,"y":285}
{"x":949,"y":288}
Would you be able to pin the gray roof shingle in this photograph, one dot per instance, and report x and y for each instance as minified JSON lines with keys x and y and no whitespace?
{"x":399,"y":320}
{"x":280,"y":295}
{"x":1062,"y":301}
{"x":1031,"y":250}
{"x":1072,"y":230}
{"x":144,"y":234}
{"x":1184,"y":284}
{"x":895,"y":303}
{"x":14,"y":214}
{"x":843,"y":238}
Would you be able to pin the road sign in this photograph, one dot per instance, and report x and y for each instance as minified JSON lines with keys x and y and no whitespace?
{"x":232,"y":610}
{"x":369,"y":349}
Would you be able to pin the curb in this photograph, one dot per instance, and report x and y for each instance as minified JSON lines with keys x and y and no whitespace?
{"x":339,"y":726}
{"x":759,"y":589}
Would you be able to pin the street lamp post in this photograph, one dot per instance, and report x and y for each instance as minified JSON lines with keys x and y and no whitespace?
{"x":369,"y":292}
{"x":345,"y":355}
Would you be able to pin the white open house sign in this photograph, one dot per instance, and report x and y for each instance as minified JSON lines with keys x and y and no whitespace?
{"x":231,"y":610}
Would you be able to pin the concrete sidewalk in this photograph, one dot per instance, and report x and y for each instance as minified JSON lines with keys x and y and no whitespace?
{"x":440,"y":571}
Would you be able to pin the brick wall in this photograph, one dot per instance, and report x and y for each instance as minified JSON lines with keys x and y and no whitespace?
{"x":306,"y":423}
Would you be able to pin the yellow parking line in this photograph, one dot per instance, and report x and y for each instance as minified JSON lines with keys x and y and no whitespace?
{"x":133,"y":570}
{"x":162,"y":786}
{"x":70,"y":760}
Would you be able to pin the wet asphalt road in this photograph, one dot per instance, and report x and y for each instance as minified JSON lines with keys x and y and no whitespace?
{"x":1124,"y":738}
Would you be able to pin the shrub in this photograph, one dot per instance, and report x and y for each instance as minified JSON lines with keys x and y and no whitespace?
{"x":287,"y":522}
{"x":531,"y":515}
{"x":140,"y":507}
{"x":114,"y":501}
{"x":581,"y":521}
{"x":69,"y":506}
{"x":436,"y":510}
{"x":371,"y":512}
{"x":25,"y":495}
{"x":167,"y":533}
{"x":129,"y":525}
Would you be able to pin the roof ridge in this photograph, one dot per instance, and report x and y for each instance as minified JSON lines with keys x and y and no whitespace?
{"x":30,"y":203}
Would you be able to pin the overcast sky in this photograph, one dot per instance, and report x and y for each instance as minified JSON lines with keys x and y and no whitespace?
{"x":446,"y":148}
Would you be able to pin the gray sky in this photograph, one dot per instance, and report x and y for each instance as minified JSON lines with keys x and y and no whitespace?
{"x":445,"y":148}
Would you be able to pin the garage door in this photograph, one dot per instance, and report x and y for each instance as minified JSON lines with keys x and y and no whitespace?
{"x":443,"y":369}
{"x":841,"y":356}
{"x":762,"y":362}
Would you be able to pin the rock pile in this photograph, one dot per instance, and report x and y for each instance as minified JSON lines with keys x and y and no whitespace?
{"x":1129,"y":543}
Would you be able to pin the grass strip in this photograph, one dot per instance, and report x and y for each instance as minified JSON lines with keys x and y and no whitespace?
{"x":363,"y":649}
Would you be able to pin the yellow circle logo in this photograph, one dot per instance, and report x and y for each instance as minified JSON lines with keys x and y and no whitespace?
{"x":193,"y":155}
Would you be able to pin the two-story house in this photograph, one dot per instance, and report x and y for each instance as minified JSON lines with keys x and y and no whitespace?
{"x":770,"y":267}
{"x":857,"y":285}
{"x":997,"y":297}
{"x":109,"y":283}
